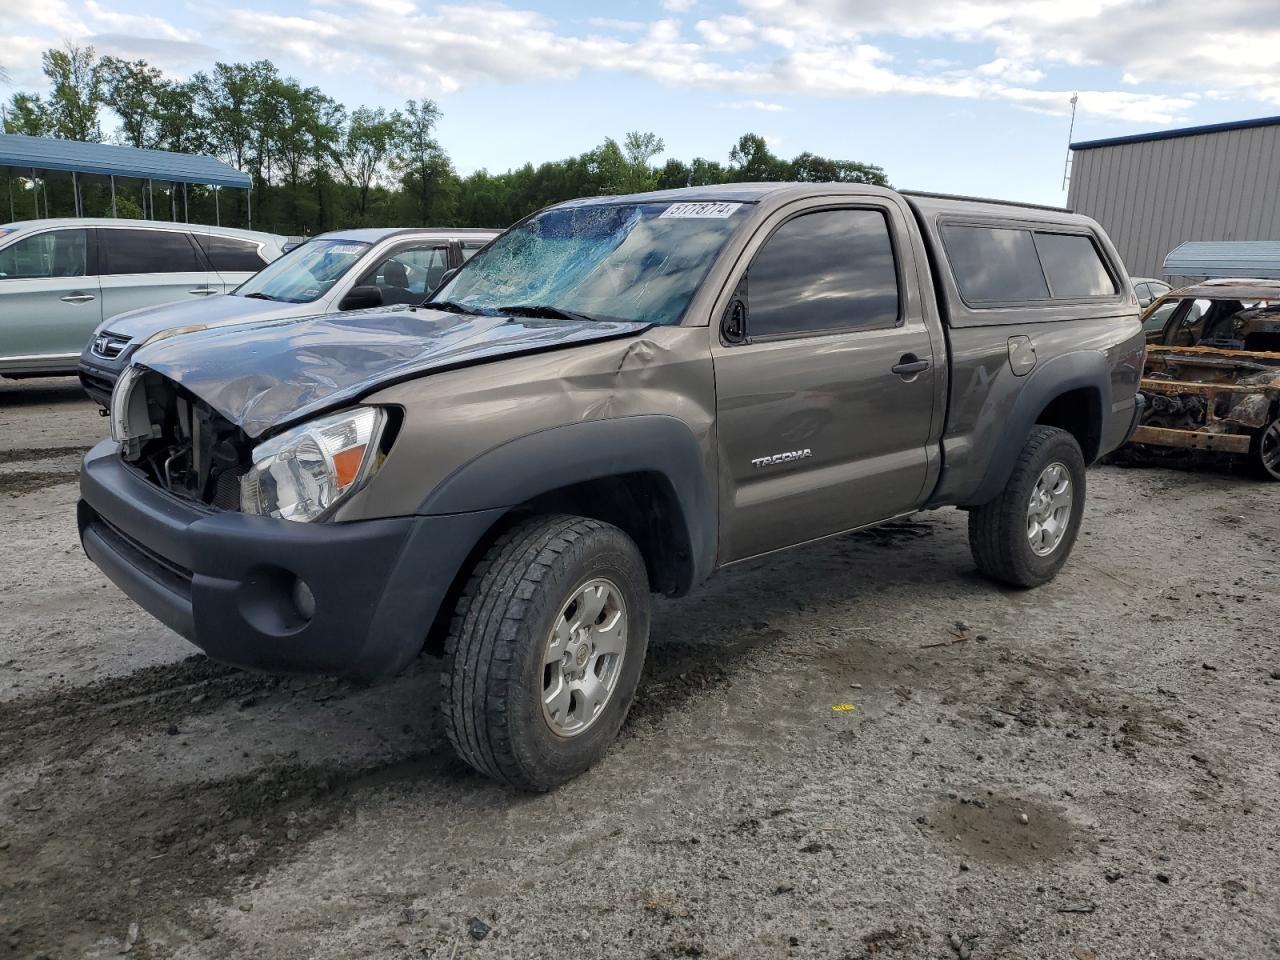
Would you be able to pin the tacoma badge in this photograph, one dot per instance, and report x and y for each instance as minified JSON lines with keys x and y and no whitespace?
{"x":777,"y":458}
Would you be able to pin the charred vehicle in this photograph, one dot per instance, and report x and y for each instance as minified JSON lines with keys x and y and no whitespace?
{"x":615,"y":398}
{"x":1212,"y":376}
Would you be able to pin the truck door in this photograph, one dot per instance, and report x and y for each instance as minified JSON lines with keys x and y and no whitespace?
{"x":825,"y":378}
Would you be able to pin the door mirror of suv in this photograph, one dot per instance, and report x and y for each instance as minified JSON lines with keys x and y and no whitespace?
{"x":361,"y":298}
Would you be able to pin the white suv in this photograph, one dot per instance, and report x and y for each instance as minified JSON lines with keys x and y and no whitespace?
{"x":60,"y":279}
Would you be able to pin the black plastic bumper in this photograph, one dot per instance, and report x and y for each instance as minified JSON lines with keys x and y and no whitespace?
{"x":230,"y":583}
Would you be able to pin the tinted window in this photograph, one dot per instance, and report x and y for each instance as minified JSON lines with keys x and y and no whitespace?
{"x":1073,"y":266}
{"x":58,"y":253}
{"x":469,"y":250}
{"x":824,"y":271}
{"x":994,"y":264}
{"x":231,"y":254}
{"x":148,"y":251}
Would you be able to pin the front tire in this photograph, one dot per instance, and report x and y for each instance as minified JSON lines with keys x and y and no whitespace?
{"x":1024,"y":536}
{"x":545,"y":650}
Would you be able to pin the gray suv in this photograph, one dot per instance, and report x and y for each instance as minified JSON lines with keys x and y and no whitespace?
{"x":617,"y":397}
{"x":339,"y":271}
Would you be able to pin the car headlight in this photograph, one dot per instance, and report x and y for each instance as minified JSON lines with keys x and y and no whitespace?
{"x":302,"y":473}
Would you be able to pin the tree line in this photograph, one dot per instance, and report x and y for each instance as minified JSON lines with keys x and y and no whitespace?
{"x":316,"y":165}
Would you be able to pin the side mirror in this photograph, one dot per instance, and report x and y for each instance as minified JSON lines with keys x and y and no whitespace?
{"x":733,"y":327}
{"x":1145,"y":302}
{"x":361,"y":298}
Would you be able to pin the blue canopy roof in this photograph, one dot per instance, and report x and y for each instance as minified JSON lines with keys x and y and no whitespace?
{"x":1225,"y":258}
{"x":47,"y":153}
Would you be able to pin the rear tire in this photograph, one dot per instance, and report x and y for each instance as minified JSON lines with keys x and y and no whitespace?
{"x":1264,"y":454}
{"x":1024,"y":536}
{"x":533,"y":694}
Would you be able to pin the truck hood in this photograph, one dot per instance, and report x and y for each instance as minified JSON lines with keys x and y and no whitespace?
{"x":266,"y":375}
{"x":215,"y":311}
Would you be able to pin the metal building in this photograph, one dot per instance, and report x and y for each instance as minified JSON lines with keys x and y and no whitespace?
{"x":1152,"y":192}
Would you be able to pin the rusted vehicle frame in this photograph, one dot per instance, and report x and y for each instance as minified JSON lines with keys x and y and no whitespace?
{"x":1239,"y":389}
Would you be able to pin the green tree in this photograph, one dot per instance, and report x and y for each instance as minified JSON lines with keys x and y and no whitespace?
{"x":752,"y":160}
{"x":418,"y":156}
{"x":28,"y":114}
{"x":136,"y":93}
{"x":77,"y":94}
{"x":810,"y":168}
{"x":370,"y":137}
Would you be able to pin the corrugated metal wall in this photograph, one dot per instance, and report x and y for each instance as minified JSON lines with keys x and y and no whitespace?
{"x":1151,"y":196}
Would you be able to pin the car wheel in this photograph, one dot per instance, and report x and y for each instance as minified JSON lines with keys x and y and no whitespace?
{"x":1266,"y":452}
{"x":1024,"y":536}
{"x":545,"y":650}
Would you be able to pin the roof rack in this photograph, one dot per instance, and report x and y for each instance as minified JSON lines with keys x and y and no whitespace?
{"x":1004,"y":203}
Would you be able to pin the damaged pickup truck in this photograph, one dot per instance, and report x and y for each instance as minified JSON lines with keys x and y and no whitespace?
{"x":1212,"y":377}
{"x":616,"y":398}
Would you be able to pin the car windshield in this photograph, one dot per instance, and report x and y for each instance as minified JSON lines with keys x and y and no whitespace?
{"x":602,"y":261}
{"x":305,"y":273}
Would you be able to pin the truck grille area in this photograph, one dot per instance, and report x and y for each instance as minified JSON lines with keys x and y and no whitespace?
{"x":192,"y":450}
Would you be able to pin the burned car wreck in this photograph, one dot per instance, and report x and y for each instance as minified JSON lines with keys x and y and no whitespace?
{"x":1212,"y":375}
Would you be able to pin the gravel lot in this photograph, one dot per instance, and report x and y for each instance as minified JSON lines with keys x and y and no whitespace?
{"x":1088,"y":770}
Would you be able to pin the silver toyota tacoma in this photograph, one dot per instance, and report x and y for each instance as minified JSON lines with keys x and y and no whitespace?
{"x":615,"y":398}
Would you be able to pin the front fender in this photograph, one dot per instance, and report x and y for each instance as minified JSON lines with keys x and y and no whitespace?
{"x":538,"y":463}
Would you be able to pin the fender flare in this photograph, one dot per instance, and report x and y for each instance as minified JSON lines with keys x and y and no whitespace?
{"x":538,"y":463}
{"x":1048,"y":381}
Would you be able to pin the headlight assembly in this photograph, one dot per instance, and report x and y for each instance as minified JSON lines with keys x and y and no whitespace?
{"x":304,"y":472}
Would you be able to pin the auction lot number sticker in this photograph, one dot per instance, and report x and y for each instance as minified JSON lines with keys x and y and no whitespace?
{"x":699,"y":211}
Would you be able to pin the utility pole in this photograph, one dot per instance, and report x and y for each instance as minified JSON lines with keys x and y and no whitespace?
{"x":1066,"y":164}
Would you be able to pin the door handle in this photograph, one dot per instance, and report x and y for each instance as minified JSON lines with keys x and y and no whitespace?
{"x":203,"y":291}
{"x":910,"y":366}
{"x":78,"y":298}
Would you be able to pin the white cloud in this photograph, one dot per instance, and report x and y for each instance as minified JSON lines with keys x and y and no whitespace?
{"x":763,"y":105}
{"x":677,"y":6}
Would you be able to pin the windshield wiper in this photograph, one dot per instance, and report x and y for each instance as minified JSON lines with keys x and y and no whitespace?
{"x":258,"y":296}
{"x":545,"y":311}
{"x":453,"y":306}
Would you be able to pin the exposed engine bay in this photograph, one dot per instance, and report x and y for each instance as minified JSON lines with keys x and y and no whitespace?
{"x":178,"y":440}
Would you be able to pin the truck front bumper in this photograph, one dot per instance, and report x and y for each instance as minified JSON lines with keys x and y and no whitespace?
{"x":355,"y":599}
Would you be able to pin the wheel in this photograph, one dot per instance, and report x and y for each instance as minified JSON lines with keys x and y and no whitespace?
{"x":1265,"y":452}
{"x":545,"y":650}
{"x":1024,"y":536}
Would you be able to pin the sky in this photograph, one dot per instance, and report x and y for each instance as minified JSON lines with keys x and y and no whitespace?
{"x":958,"y":96}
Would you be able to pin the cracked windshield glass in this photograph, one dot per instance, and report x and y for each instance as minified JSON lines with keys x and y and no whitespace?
{"x":624,"y":261}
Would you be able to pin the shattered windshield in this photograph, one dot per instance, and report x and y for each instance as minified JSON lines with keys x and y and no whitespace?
{"x":623,"y":261}
{"x":305,"y":273}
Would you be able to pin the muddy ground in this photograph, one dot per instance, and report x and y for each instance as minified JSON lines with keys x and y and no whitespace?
{"x":1089,"y":770}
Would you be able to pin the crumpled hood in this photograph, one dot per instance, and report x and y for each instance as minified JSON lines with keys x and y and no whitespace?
{"x":265,"y":375}
{"x":209,"y":311}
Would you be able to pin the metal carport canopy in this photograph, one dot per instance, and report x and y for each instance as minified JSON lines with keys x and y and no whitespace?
{"x":1225,"y":258}
{"x":74,"y":156}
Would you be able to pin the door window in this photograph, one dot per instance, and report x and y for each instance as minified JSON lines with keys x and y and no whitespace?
{"x":231,"y":254}
{"x":409,"y":274}
{"x":1073,"y":266}
{"x":469,"y":250}
{"x":148,"y":251}
{"x":57,"y":253}
{"x":828,"y":270}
